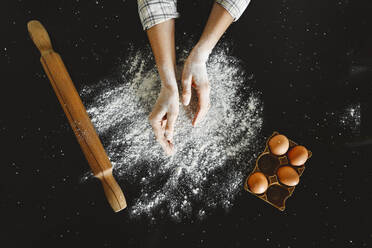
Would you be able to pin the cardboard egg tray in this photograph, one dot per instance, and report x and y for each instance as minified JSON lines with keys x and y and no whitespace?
{"x":268,"y":163}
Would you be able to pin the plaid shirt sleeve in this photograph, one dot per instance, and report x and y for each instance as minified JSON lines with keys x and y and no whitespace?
{"x":234,"y":7}
{"x":153,"y":12}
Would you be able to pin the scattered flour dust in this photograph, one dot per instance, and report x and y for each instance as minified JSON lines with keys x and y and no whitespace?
{"x":211,"y":160}
{"x":351,"y":118}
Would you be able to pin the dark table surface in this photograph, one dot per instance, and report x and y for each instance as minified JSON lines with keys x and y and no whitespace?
{"x":311,"y":61}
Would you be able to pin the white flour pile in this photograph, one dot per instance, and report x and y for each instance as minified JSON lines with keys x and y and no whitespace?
{"x":211,"y":160}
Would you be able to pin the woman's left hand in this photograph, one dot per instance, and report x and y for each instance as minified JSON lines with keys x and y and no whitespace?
{"x":195,"y":74}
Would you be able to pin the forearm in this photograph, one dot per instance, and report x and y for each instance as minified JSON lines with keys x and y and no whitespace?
{"x":161,"y":37}
{"x":219,"y":20}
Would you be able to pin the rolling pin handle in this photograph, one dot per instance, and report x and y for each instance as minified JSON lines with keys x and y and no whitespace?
{"x":112,"y":190}
{"x":39,"y":36}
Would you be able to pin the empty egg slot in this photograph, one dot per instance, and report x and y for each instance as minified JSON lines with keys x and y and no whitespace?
{"x":277,"y":195}
{"x":268,"y":164}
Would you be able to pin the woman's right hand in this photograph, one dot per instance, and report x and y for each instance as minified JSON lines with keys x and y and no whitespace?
{"x":164,"y":115}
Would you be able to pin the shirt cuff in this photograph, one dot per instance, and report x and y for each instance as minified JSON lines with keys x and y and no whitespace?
{"x":153,"y":12}
{"x":234,"y":7}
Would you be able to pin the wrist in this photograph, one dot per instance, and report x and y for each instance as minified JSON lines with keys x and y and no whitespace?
{"x":202,"y":51}
{"x":168,"y":77}
{"x":170,"y":86}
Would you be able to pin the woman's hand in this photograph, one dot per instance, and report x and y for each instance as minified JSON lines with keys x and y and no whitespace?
{"x":195,"y":74}
{"x":195,"y":70}
{"x":164,"y":115}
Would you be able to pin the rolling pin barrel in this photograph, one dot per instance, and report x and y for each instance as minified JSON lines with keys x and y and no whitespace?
{"x":77,"y":116}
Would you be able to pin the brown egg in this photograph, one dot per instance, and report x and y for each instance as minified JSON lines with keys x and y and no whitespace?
{"x":279,"y":145}
{"x":298,"y":155}
{"x":257,"y":183}
{"x":288,"y":176}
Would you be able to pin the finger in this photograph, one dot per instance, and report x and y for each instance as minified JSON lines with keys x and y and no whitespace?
{"x":160,"y":137}
{"x":186,"y":86}
{"x":203,"y":103}
{"x":156,"y":121}
{"x":163,"y":122}
{"x":159,"y":131}
{"x":169,"y":129}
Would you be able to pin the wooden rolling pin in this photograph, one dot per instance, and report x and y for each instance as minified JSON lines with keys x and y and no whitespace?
{"x":77,"y":115}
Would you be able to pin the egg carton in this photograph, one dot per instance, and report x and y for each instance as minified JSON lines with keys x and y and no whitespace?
{"x":268,"y":163}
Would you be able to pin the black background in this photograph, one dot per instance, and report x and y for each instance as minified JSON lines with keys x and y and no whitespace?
{"x":301,"y":53}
